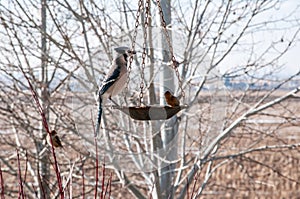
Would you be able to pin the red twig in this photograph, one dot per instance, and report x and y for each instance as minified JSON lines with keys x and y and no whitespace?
{"x":109,"y":193}
{"x":21,"y":191}
{"x":2,"y":183}
{"x":97,"y":163}
{"x":108,"y":186}
{"x":45,"y":124}
{"x":26,"y":167}
{"x":187,"y":188}
{"x":194,"y":186}
{"x":103,"y":182}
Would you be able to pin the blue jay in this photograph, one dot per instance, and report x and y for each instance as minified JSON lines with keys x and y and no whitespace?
{"x":114,"y":81}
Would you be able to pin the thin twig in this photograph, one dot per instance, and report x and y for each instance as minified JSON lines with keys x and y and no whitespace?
{"x":40,"y":182}
{"x":21,"y":191}
{"x":26,"y":167}
{"x":107,"y":185}
{"x":82,"y":175}
{"x":97,"y":165}
{"x":187,"y":189}
{"x":97,"y":160}
{"x":1,"y":183}
{"x":103,"y":181}
{"x":110,"y":180}
{"x":194,"y":186}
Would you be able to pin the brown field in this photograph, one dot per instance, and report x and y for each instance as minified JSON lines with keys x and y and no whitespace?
{"x":269,"y":173}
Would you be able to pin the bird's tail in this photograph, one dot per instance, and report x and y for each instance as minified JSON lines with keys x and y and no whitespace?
{"x":98,"y":124}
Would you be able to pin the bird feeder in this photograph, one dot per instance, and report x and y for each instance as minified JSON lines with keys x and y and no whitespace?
{"x":150,"y":112}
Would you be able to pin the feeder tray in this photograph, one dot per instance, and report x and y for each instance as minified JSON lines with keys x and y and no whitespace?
{"x":151,"y":112}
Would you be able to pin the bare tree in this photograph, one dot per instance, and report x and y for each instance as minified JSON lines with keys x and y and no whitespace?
{"x":236,"y":136}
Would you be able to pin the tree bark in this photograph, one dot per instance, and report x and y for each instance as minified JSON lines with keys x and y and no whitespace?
{"x":169,"y":131}
{"x":43,"y":162}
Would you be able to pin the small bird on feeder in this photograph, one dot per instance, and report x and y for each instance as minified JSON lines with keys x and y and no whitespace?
{"x":114,"y":81}
{"x":171,"y":99}
{"x":55,"y":139}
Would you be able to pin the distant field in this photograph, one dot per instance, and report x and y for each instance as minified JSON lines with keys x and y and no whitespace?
{"x":262,"y":174}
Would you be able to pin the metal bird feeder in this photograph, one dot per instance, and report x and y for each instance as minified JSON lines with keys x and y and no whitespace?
{"x":150,"y":112}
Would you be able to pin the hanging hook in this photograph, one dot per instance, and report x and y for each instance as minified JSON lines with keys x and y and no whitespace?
{"x":137,"y":22}
{"x":144,"y":54}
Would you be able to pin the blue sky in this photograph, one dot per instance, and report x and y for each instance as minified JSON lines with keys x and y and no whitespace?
{"x":282,"y":30}
{"x":290,"y":61}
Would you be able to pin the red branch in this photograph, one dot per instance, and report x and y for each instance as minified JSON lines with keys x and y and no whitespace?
{"x":194,"y":186}
{"x":2,"y":183}
{"x":45,"y":124}
{"x":103,"y":181}
{"x":108,"y":186}
{"x":110,"y":180}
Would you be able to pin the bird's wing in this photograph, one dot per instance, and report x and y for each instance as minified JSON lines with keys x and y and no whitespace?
{"x":57,"y":140}
{"x":110,"y":80}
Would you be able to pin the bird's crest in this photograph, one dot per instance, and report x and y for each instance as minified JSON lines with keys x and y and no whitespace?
{"x":122,"y":49}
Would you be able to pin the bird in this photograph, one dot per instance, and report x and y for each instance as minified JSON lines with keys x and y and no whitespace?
{"x":55,"y":139}
{"x":114,"y":81}
{"x":171,"y":99}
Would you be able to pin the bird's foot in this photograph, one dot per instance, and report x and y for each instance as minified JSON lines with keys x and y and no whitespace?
{"x":115,"y":103}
